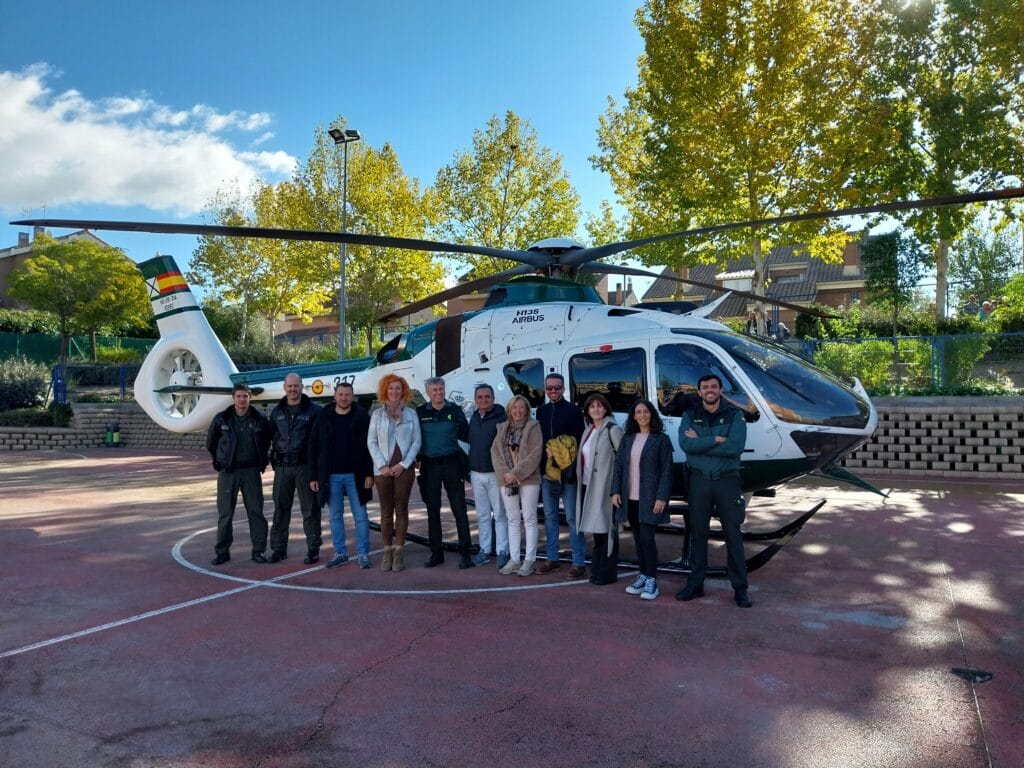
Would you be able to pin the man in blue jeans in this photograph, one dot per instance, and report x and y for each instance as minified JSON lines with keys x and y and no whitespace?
{"x":558,"y":417}
{"x":341,"y":465}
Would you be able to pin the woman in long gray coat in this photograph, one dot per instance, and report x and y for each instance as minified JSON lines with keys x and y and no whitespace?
{"x":641,"y":486}
{"x":595,"y":462}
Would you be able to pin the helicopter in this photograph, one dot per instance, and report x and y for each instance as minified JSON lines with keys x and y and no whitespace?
{"x":537,"y":320}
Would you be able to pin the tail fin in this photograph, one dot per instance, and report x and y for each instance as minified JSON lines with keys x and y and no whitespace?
{"x":188,"y":354}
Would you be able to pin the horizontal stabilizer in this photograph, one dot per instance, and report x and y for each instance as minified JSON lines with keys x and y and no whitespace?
{"x":835,"y":472}
{"x":185,"y":389}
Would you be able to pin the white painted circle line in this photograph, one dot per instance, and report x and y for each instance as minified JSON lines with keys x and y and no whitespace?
{"x":276,"y":582}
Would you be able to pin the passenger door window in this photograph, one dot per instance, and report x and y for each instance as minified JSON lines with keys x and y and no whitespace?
{"x":617,"y":374}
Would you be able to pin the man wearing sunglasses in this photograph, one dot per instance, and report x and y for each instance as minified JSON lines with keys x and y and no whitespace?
{"x":558,"y":417}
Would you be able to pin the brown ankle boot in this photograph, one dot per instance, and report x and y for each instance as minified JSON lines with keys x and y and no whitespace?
{"x":399,"y":562}
{"x":386,"y":561}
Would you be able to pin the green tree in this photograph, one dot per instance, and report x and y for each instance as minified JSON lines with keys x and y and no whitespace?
{"x":382,"y":200}
{"x":230,"y":267}
{"x":980,"y":263}
{"x":265,"y":276}
{"x":506,"y":192}
{"x":960,"y":74}
{"x":85,"y":285}
{"x":387,"y":202}
{"x":893,"y":264}
{"x":744,"y":109}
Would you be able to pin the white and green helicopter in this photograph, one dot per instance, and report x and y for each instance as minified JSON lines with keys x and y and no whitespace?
{"x":537,"y":320}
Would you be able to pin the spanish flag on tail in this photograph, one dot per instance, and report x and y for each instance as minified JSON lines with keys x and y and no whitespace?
{"x":168,"y":291}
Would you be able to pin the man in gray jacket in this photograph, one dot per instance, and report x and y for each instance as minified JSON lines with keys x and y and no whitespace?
{"x":483,"y":426}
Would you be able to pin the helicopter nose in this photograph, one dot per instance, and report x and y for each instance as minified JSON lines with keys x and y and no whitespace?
{"x":823,"y":448}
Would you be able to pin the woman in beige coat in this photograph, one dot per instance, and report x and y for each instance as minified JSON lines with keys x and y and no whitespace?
{"x":516,"y":454}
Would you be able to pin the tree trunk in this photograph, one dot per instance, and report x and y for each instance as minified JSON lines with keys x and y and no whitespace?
{"x":896,"y":345}
{"x":92,"y":345}
{"x":758,"y":281}
{"x":683,"y":273}
{"x":941,"y":264}
{"x":245,"y":321}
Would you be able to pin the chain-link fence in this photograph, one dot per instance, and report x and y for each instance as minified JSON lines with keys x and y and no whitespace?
{"x":45,"y":348}
{"x":922,"y":362}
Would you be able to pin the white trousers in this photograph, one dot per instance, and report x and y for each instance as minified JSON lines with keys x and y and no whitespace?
{"x":521,"y":509}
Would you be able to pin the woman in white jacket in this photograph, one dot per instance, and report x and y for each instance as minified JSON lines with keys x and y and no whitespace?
{"x":595,"y":463}
{"x":394,"y":442}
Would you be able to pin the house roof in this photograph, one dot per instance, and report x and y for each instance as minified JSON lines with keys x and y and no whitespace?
{"x":81,"y":234}
{"x":782,"y":257}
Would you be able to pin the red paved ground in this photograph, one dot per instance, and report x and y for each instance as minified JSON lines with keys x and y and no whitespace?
{"x":844,"y":660}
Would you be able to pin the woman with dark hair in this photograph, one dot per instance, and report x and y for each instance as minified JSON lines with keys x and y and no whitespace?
{"x":641,"y":486}
{"x":595,"y":463}
{"x":394,"y":441}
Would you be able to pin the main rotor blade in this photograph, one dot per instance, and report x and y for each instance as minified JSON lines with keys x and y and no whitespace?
{"x":349,"y":238}
{"x":602,"y":251}
{"x":461,"y":289}
{"x":613,"y":270}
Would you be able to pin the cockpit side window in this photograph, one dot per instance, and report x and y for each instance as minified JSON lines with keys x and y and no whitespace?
{"x":678,"y":367}
{"x":526,"y":378}
{"x":617,"y":374}
{"x":795,"y":391}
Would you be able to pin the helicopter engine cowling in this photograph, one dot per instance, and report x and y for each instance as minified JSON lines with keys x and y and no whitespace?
{"x":188,"y":355}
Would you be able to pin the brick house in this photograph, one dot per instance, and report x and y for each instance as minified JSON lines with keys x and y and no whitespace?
{"x":793,"y":276}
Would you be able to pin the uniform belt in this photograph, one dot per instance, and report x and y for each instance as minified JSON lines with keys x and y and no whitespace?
{"x":430,"y":460}
{"x":716,"y":475}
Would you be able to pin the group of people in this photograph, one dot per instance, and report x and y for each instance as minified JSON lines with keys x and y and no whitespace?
{"x":982,"y":311}
{"x":567,"y":457}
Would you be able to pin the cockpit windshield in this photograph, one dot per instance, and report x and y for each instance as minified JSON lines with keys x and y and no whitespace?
{"x":796,"y":391}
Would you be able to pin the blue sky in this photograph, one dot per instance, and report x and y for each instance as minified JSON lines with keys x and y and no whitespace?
{"x":125,"y":110}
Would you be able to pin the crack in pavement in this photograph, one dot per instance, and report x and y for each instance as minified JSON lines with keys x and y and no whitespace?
{"x":324,"y":710}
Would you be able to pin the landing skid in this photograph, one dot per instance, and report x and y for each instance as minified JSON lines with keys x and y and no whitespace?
{"x":778,"y":537}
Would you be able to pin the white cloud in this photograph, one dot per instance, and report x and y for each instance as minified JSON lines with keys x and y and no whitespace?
{"x":65,"y":148}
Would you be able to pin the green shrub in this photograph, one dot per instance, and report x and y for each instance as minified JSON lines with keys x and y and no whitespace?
{"x":960,"y":356}
{"x":27,"y":321}
{"x":22,"y":383}
{"x":118,"y":355}
{"x":869,"y":361}
{"x":89,"y":375}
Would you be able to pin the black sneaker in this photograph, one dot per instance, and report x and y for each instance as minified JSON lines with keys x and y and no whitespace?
{"x":743,"y":599}
{"x":276,"y":557}
{"x":311,"y":557}
{"x":259,"y":557}
{"x":222,"y":558}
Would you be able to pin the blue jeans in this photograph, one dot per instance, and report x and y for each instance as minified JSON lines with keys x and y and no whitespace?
{"x":551,"y":524}
{"x":340,"y":487}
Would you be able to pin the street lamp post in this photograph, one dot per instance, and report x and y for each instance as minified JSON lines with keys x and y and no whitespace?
{"x":343,"y":138}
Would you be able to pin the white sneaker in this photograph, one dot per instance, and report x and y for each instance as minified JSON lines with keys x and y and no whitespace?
{"x":637,"y":586}
{"x":650,"y":590}
{"x":510,"y":567}
{"x":527,"y":569}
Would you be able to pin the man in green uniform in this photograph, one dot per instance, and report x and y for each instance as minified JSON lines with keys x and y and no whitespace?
{"x":442,"y":425}
{"x":713,"y":435}
{"x":238,"y":441}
